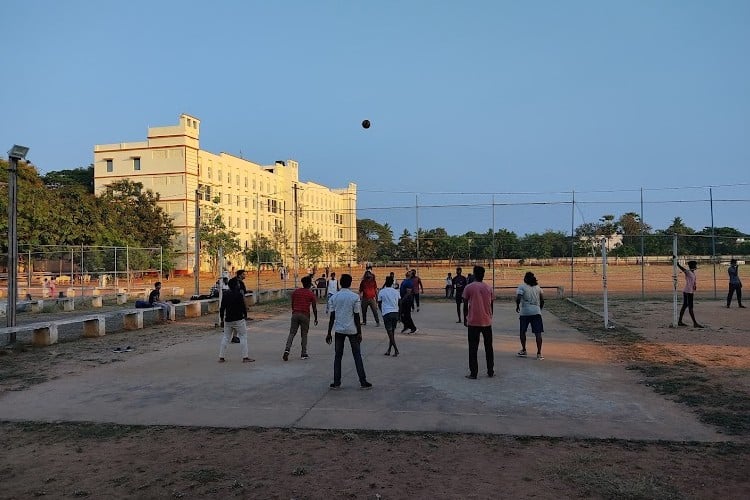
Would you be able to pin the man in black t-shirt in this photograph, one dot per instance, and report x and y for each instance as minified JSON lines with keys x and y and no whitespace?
{"x":459,"y":282}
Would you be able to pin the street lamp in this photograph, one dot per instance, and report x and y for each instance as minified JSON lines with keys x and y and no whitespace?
{"x":15,"y":154}
{"x":196,"y":258}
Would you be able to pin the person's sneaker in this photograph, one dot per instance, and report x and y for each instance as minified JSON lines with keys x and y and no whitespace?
{"x":490,"y":374}
{"x":680,"y":323}
{"x":470,"y":376}
{"x":222,"y":360}
{"x":696,"y":325}
{"x":305,"y":356}
{"x":741,"y":306}
{"x":365,"y":385}
{"x":235,"y":340}
{"x":539,"y":357}
{"x":335,"y":386}
{"x":285,"y":357}
{"x":458,"y":321}
{"x":248,"y":360}
{"x":404,"y":330}
{"x":521,"y":353}
{"x":415,"y":330}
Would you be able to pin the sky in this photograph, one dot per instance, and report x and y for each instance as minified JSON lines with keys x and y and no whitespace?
{"x":484,"y":113}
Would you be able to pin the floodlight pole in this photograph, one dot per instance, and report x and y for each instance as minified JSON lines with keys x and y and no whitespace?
{"x":197,"y":260}
{"x":16,"y":153}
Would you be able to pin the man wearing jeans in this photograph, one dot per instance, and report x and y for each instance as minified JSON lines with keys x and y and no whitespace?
{"x":345,"y":307}
{"x":302,"y":299}
{"x":233,"y":314}
{"x":478,"y":309}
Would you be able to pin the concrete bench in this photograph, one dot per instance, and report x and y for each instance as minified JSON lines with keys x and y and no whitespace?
{"x":132,"y":319}
{"x":44,"y":333}
{"x":66,"y":303}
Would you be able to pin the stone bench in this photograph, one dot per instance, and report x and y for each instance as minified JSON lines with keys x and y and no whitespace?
{"x":132,"y":319}
{"x":66,"y":303}
{"x":44,"y":333}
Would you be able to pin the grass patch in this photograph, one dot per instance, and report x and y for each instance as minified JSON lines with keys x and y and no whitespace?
{"x":686,"y":381}
{"x":603,"y":483}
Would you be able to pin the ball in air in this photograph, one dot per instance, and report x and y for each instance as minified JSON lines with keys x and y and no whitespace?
{"x":365,"y":123}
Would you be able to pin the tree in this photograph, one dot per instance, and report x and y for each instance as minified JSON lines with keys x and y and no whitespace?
{"x":214,"y":235}
{"x":81,"y":176}
{"x":261,"y":251}
{"x":311,"y":247}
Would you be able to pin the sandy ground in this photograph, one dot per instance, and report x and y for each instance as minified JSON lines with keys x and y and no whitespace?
{"x":107,"y":461}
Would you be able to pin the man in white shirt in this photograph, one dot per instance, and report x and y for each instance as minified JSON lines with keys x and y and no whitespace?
{"x":345,"y":307}
{"x":388,"y":302}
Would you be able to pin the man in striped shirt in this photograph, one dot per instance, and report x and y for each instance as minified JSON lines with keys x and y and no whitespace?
{"x":302,"y":299}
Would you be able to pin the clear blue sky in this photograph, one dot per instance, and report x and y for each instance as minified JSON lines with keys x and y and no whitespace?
{"x":481,"y":98}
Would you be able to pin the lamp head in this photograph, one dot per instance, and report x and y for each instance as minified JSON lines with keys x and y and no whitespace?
{"x":18,"y":152}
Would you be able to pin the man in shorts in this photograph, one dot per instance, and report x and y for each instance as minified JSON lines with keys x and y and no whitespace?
{"x":529,"y":303}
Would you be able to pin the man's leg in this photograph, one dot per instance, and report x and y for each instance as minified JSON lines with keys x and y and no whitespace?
{"x":729,"y":295}
{"x":339,"y":352}
{"x":524,"y":324}
{"x":458,"y":309}
{"x":473,"y":337}
{"x":363,"y":307}
{"x":304,"y":322}
{"x":225,"y":336}
{"x":292,"y":333}
{"x":357,"y":354}
{"x":241,"y":328}
{"x":690,"y":310}
{"x":375,"y":311}
{"x":739,"y":296}
{"x":489,"y":352}
{"x":683,"y":308}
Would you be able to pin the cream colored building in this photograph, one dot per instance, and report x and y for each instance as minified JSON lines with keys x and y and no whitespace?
{"x":252,"y":198}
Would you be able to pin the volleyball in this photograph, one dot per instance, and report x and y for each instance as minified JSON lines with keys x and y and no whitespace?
{"x":365,"y":123}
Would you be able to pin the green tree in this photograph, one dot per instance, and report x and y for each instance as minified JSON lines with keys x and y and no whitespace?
{"x":311,"y":247}
{"x":81,"y":176}
{"x":214,"y":235}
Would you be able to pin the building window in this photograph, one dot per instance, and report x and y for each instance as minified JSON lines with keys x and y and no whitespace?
{"x":245,"y":201}
{"x":136,"y":163}
{"x":110,"y":165}
{"x":245,"y":181}
{"x":341,"y":234}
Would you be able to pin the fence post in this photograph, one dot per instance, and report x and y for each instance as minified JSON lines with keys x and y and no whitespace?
{"x":604,"y":282}
{"x":674,"y":281}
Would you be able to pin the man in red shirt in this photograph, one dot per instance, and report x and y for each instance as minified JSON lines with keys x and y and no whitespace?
{"x":368,"y":291}
{"x":302,"y":299}
{"x":478,"y":300}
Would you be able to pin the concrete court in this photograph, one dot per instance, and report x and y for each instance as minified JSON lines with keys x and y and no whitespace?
{"x":573,"y":392}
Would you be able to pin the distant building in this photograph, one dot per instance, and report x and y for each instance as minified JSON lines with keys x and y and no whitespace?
{"x":253,"y":199}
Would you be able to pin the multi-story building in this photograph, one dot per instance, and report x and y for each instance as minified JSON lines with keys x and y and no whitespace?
{"x":254,"y":200}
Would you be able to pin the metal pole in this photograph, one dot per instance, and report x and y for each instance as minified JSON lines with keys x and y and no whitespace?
{"x":604,"y":282}
{"x":257,"y":244}
{"x":674,"y":281}
{"x":572,"y":240}
{"x":493,"y":245}
{"x":296,"y":236}
{"x":29,"y":271}
{"x":643,"y":266}
{"x":12,"y":247}
{"x":197,"y":250}
{"x":416,"y":236}
{"x":127,"y":267}
{"x":713,"y":237}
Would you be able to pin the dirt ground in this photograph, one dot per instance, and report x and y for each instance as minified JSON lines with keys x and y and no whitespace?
{"x":109,"y":461}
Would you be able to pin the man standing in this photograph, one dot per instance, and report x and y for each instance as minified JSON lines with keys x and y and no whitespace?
{"x":345,"y":308}
{"x":302,"y":299}
{"x":417,"y":288}
{"x":735,"y":285}
{"x":233,"y":314}
{"x":332,"y":288}
{"x":459,"y":282}
{"x":529,"y":303}
{"x":478,"y":309}
{"x":388,"y":299}
{"x":688,"y":292}
{"x":406,"y":291}
{"x":368,"y":291}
